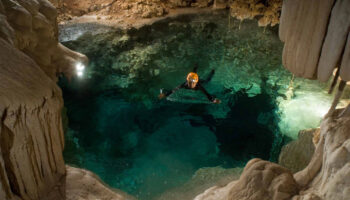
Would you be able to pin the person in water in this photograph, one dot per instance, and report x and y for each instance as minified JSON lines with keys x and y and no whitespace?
{"x":193,"y":82}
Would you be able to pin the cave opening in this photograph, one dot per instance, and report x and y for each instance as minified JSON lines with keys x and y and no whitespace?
{"x":118,"y":128}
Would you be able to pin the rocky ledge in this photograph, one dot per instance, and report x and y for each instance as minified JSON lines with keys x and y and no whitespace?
{"x":326,"y":177}
{"x":268,"y":12}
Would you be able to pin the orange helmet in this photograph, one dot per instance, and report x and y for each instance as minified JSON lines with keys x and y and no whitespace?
{"x":192,"y":77}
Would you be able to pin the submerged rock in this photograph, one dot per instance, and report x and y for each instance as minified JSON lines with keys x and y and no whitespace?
{"x":203,"y":178}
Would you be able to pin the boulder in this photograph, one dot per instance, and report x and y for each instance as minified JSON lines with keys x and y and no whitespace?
{"x":260,"y":180}
{"x":297,"y":154}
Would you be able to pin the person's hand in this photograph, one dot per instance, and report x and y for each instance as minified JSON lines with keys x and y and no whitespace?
{"x":161,"y":96}
{"x":217,"y":101}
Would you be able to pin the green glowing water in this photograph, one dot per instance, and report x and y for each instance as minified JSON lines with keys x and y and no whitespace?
{"x":135,"y":142}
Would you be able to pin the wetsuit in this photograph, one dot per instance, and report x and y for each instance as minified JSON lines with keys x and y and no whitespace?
{"x":198,"y":86}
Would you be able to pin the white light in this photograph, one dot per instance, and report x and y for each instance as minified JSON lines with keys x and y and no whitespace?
{"x":80,"y":74}
{"x":80,"y":69}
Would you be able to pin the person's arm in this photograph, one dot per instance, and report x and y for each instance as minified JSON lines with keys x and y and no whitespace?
{"x":209,"y":96}
{"x":163,"y":95}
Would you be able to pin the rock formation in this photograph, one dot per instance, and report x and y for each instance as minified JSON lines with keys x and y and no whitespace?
{"x":316,"y":37}
{"x":325,"y":178}
{"x":260,"y":180}
{"x":267,"y":11}
{"x":31,"y":132}
{"x":32,"y":28}
{"x":80,"y":184}
{"x":297,"y":154}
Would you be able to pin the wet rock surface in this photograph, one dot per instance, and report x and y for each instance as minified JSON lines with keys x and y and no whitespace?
{"x":297,"y":154}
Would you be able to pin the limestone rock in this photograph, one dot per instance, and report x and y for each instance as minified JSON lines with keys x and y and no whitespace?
{"x":303,"y":34}
{"x":269,"y":12}
{"x":260,"y":180}
{"x":333,"y":47}
{"x":328,"y":174}
{"x":297,"y":154}
{"x":31,"y":136}
{"x":220,"y":4}
{"x":80,"y":184}
{"x":316,"y":36}
{"x":31,"y":26}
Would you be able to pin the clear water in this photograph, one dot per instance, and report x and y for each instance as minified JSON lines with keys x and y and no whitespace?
{"x":145,"y":146}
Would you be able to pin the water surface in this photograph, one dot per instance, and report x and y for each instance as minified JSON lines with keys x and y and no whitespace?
{"x":121,"y":131}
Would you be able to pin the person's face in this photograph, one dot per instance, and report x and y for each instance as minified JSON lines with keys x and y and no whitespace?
{"x":191,"y":84}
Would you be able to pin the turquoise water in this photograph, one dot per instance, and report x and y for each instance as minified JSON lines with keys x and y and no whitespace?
{"x":120,"y":130}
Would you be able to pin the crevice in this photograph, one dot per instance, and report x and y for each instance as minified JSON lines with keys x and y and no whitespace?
{"x":52,"y":144}
{"x":3,"y":177}
{"x":46,"y":144}
{"x":6,"y":142}
{"x":3,"y":181}
{"x":32,"y":157}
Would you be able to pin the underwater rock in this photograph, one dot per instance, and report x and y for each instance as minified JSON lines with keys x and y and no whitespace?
{"x":297,"y":154}
{"x":203,"y":178}
{"x":260,"y":180}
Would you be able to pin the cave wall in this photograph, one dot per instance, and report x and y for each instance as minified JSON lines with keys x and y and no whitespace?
{"x":31,"y":134}
{"x":31,"y":27}
{"x":317,"y":38}
{"x":267,"y":12}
